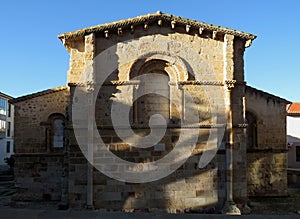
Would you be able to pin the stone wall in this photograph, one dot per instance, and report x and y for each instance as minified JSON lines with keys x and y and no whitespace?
{"x":194,"y":64}
{"x":266,"y":161}
{"x":203,"y":70}
{"x":38,"y":166}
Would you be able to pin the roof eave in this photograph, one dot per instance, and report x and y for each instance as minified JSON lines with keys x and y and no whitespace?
{"x":268,"y":95}
{"x":153,"y":17}
{"x":37,"y":94}
{"x":5,"y":96}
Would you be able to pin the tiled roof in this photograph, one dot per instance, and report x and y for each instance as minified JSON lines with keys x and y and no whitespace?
{"x":266,"y":95}
{"x":293,"y":108}
{"x":150,"y":18}
{"x":41,"y":93}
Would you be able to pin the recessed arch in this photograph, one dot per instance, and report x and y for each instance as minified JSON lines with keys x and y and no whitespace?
{"x":172,"y":65}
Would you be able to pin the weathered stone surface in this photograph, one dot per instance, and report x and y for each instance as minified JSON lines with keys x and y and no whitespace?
{"x":209,"y":66}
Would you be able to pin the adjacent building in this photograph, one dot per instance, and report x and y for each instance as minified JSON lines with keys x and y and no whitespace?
{"x":293,"y":135}
{"x":6,"y":127}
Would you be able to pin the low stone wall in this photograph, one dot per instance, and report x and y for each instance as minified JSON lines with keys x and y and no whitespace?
{"x":38,"y":177}
{"x":266,"y":174}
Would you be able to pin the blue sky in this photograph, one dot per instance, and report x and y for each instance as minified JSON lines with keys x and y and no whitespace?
{"x":33,"y":59}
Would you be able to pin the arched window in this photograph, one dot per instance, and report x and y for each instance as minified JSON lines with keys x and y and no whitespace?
{"x":56,"y":131}
{"x":251,"y":137}
{"x":152,"y":103}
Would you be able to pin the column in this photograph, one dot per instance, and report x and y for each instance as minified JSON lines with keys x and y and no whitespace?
{"x":89,"y":83}
{"x":228,"y":53}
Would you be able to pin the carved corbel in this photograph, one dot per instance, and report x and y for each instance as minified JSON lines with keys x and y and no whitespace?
{"x":120,"y":31}
{"x":132,"y":29}
{"x":159,"y":22}
{"x":248,"y":43}
{"x":187,"y":28}
{"x":230,"y":84}
{"x":106,"y":33}
{"x":146,"y":26}
{"x":173,"y":23}
{"x":214,"y":34}
{"x":201,"y":29}
{"x":66,"y":44}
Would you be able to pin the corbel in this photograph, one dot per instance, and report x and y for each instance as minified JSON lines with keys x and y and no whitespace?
{"x":230,"y":83}
{"x":248,"y":43}
{"x":214,"y":34}
{"x":146,"y":26}
{"x":159,"y":22}
{"x":173,"y":23}
{"x":132,"y":29}
{"x":120,"y":31}
{"x":106,"y":33}
{"x":187,"y":28}
{"x":201,"y":29}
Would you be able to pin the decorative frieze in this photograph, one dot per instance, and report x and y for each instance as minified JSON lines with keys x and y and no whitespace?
{"x":229,"y":83}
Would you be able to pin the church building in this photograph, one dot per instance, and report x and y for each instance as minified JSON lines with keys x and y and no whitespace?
{"x":156,"y":115}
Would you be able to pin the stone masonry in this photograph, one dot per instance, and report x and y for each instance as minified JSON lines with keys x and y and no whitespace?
{"x":266,"y":168}
{"x":38,"y":166}
{"x":187,"y":57}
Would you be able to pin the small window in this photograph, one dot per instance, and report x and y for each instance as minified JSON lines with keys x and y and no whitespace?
{"x":298,"y":154}
{"x":9,"y":110}
{"x":2,"y":106}
{"x":55,"y":130}
{"x":58,"y":133}
{"x":8,"y":147}
{"x":8,"y":128}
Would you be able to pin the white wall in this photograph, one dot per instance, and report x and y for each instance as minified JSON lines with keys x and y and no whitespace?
{"x":293,"y":138}
{"x":293,"y":126}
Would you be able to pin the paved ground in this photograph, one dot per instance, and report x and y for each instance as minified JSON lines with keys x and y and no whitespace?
{"x":281,"y":208}
{"x":49,"y":214}
{"x":280,"y":205}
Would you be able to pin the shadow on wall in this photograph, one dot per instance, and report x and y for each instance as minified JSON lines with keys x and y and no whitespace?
{"x":188,"y":189}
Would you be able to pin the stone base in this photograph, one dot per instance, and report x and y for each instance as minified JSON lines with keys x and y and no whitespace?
{"x":231,"y":209}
